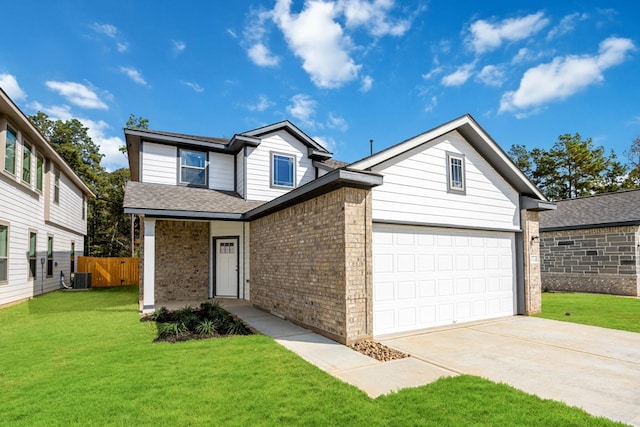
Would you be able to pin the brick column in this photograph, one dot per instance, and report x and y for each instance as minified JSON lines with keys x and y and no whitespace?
{"x":531,"y":255}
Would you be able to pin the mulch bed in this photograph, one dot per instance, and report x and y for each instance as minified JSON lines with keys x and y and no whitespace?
{"x":378,"y":351}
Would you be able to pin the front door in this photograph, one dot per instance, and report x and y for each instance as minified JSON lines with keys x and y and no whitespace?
{"x":226,"y":264}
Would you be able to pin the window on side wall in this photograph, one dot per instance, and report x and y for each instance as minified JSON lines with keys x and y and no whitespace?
{"x":10,"y":151}
{"x":39,"y":172}
{"x":4,"y":252}
{"x":283,"y":170}
{"x":193,"y":168}
{"x":33,"y":253}
{"x":50,"y":256}
{"x":456,"y":173}
{"x":26,"y":163}
{"x":56,"y":187}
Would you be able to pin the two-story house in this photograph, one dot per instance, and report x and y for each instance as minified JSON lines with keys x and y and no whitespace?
{"x":43,"y":210}
{"x":439,"y":229}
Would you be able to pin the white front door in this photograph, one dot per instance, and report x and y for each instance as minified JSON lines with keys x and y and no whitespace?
{"x":226,"y":262}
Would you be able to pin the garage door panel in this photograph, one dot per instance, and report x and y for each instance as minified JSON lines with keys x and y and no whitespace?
{"x":426,"y":277}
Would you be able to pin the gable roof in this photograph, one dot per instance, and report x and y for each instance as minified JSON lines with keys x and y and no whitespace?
{"x":34,"y":136}
{"x":477,"y":137}
{"x":601,"y":210}
{"x":293,"y":130}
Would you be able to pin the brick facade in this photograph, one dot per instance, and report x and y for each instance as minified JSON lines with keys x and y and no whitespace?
{"x":182,"y":261}
{"x":601,"y":260}
{"x":532,"y":260}
{"x":311,"y":264}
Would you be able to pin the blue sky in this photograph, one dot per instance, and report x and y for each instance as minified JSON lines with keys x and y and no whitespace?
{"x":344,"y":71}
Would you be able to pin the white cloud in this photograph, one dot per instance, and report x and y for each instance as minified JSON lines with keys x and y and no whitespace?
{"x":459,"y":76}
{"x":373,"y":16}
{"x":491,"y":75}
{"x":122,"y":46}
{"x":232,"y":33}
{"x":433,"y":102}
{"x":564,"y":76}
{"x":106,"y":29}
{"x":193,"y":85}
{"x":262,"y":104}
{"x":55,"y":112}
{"x":109,"y":145}
{"x":366,"y":84}
{"x":303,"y":108}
{"x":9,"y":84}
{"x":316,"y":38}
{"x":77,"y":94}
{"x":566,"y":25}
{"x":178,"y":46}
{"x":434,"y":72}
{"x":327,"y":142}
{"x":134,"y":75}
{"x":335,"y":122}
{"x":485,"y":36}
{"x":262,"y":56}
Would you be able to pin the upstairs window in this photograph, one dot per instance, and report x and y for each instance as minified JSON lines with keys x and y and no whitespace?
{"x":26,"y":163}
{"x":10,"y":151}
{"x":39,"y":172}
{"x":283,"y":170}
{"x":4,"y":251}
{"x":56,"y":187}
{"x":455,"y":173}
{"x":193,"y":167}
{"x":33,"y":257}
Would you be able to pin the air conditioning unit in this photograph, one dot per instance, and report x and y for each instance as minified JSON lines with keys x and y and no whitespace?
{"x":82,"y":281}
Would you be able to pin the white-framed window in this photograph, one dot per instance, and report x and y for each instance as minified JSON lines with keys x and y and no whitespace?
{"x":33,"y":253}
{"x":193,"y":167}
{"x":11,"y":140}
{"x":39,"y":172}
{"x":283,"y":170}
{"x":26,"y":163}
{"x":49,"y":256}
{"x":56,"y":186}
{"x":4,"y":252}
{"x":456,"y":173}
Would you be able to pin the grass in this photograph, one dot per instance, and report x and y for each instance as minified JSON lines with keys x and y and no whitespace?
{"x":607,"y":311}
{"x":84,"y":358}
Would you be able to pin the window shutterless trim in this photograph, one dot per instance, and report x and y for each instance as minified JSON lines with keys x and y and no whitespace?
{"x":5,"y":257}
{"x":272,"y":169}
{"x":180,"y":166}
{"x":452,"y":174}
{"x":8,"y":130}
{"x":50,"y":252}
{"x":32,"y":265}
{"x":27,"y":154}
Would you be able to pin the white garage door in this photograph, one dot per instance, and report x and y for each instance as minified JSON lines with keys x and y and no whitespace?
{"x":425,"y":277}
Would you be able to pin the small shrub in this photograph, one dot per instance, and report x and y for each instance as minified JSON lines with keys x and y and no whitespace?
{"x":171,"y":329}
{"x":236,"y":327}
{"x":206,"y":327}
{"x":161,"y":315}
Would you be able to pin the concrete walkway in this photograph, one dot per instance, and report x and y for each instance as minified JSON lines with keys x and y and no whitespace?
{"x":370,"y":375}
{"x":593,"y":368}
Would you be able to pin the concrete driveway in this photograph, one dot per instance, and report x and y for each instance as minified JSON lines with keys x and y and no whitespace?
{"x":593,"y":368}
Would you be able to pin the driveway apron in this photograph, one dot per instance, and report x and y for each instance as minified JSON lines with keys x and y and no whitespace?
{"x":593,"y":368}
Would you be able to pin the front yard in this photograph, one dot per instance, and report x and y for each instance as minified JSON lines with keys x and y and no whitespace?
{"x":607,"y":311}
{"x":84,"y":358}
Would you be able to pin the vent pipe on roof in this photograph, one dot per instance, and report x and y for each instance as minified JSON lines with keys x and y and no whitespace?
{"x":371,"y":146}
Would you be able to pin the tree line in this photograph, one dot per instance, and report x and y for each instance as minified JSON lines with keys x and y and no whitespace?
{"x":573,"y":167}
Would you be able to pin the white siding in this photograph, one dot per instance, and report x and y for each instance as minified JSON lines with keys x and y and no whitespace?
{"x":68,"y":212}
{"x":415,"y":189}
{"x":159,"y":163}
{"x":221,"y":171}
{"x":258,"y":171}
{"x":240,"y":173}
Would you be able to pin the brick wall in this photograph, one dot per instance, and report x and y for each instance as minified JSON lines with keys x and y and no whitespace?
{"x":602,"y":260}
{"x":182,"y":261}
{"x":311,"y":263}
{"x":531,"y":255}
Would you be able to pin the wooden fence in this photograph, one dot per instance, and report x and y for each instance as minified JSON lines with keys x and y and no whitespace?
{"x":110,"y":271}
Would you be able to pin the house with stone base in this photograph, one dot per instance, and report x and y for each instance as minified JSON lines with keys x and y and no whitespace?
{"x":592,"y":244}
{"x":437,"y":230}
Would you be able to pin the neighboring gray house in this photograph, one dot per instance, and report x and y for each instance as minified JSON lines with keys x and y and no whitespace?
{"x":43,"y":206}
{"x":592,"y":244}
{"x":439,"y":229}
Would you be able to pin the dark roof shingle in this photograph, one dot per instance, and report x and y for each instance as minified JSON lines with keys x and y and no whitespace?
{"x":140,"y":195}
{"x":622,"y":207}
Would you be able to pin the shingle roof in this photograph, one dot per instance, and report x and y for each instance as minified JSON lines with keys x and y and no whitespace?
{"x":215,"y":140}
{"x":147,"y":196}
{"x":600,"y":210}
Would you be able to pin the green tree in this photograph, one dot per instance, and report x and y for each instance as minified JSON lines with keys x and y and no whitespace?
{"x":134,"y":122}
{"x":633,"y":153}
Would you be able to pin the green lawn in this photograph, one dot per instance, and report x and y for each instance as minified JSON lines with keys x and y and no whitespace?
{"x":607,"y":311}
{"x":84,"y":358}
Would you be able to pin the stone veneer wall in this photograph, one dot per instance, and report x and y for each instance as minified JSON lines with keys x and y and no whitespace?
{"x":531,"y":255}
{"x":182,"y":261}
{"x":311,"y":264}
{"x":601,"y":260}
